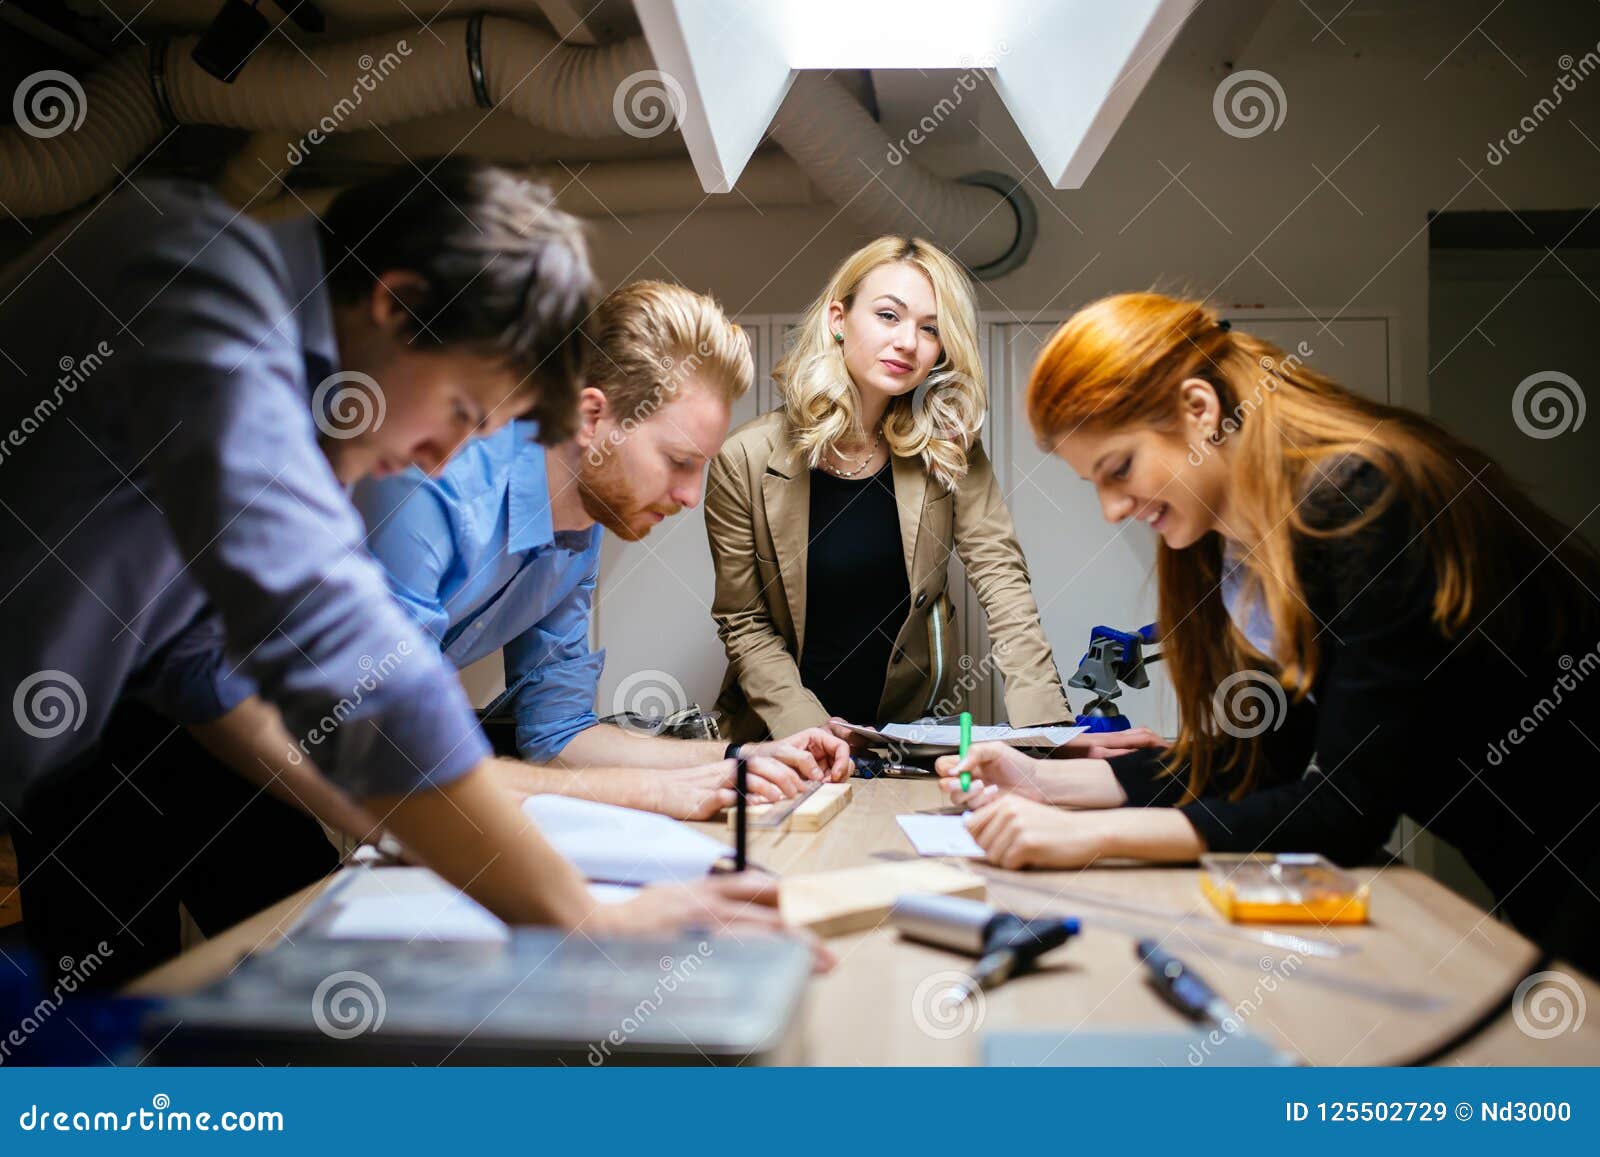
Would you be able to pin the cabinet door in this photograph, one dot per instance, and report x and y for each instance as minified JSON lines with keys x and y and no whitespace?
{"x":1085,"y":572}
{"x":1353,"y":351}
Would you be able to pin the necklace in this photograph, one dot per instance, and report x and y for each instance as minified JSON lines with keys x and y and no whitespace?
{"x":877,"y":436}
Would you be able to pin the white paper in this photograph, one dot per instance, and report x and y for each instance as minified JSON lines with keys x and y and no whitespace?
{"x":406,"y":903}
{"x":940,"y":836}
{"x":949,"y":734}
{"x":442,"y":915}
{"x":620,"y":845}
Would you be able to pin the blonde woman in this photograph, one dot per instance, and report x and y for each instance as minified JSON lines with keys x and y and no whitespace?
{"x":833,"y":519}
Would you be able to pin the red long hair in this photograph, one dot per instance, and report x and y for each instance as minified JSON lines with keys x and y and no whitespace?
{"x":1118,"y":363}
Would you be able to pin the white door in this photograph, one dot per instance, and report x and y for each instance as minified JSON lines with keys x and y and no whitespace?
{"x":1085,"y":572}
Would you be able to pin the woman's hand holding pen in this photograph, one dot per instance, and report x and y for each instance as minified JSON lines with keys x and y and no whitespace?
{"x":996,"y":765}
{"x":999,"y":769}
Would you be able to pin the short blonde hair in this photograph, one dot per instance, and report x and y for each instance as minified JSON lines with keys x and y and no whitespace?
{"x":820,"y":400}
{"x":651,"y":337}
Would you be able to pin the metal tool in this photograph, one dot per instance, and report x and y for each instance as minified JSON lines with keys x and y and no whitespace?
{"x":1114,"y":657}
{"x":871,"y":767}
{"x":773,"y":814}
{"x":1005,"y":944}
{"x":1180,"y":986}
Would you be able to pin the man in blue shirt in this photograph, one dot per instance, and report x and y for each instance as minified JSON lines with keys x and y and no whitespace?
{"x":502,"y":550}
{"x":184,"y":396}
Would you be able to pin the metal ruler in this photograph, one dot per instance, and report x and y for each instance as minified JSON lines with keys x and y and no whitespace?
{"x":774,"y":814}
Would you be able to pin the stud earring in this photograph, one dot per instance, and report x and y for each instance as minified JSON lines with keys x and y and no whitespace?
{"x":839,"y":337}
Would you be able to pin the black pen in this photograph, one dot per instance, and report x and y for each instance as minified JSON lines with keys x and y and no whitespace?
{"x":740,"y":834}
{"x":1178,"y":985}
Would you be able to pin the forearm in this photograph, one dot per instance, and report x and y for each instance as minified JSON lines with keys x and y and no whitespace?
{"x":471,"y":833}
{"x":252,"y":740}
{"x":1079,"y":783}
{"x":606,"y":747}
{"x":623,"y":786}
{"x":1154,"y":835}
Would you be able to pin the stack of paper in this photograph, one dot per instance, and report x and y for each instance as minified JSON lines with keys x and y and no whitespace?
{"x":621,"y":845}
{"x":407,"y":903}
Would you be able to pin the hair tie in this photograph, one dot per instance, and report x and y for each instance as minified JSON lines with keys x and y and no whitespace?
{"x":1224,"y":325}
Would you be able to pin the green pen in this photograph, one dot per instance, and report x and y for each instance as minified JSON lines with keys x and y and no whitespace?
{"x":966,"y":743}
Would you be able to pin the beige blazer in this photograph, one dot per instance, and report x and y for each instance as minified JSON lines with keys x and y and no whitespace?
{"x":758,"y":504}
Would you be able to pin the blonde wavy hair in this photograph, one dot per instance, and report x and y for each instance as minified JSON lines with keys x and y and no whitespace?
{"x":940,"y":426}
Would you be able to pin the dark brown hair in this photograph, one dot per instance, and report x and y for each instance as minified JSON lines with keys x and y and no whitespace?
{"x":506,"y":273}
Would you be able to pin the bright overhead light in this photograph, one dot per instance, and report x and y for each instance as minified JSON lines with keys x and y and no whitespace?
{"x":853,"y":34}
{"x":1068,"y":70}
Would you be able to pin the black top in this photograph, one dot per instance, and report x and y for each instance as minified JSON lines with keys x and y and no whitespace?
{"x":1494,"y":746}
{"x":856,"y":592}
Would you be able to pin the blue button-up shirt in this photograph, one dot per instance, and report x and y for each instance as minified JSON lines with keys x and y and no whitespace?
{"x":163,"y":496}
{"x":474,"y":557}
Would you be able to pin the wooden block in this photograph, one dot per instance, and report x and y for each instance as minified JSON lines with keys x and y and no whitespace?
{"x":852,"y":899}
{"x":811,"y":816}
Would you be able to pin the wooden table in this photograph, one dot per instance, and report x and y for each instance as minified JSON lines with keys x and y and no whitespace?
{"x":1422,"y":938}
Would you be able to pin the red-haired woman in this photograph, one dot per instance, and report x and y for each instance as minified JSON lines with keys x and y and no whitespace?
{"x":1362,"y":617}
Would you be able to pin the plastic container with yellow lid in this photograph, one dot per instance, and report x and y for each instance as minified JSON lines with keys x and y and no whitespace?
{"x":1289,"y":888}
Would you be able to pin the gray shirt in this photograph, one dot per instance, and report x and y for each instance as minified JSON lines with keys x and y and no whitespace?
{"x":172,"y":529}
